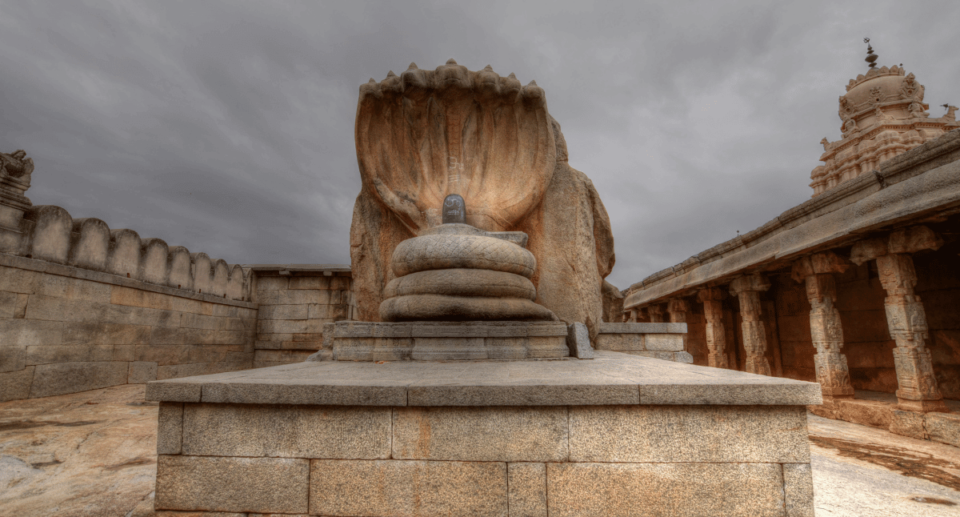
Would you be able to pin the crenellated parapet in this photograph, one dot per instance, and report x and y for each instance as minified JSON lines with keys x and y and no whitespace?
{"x":50,"y":234}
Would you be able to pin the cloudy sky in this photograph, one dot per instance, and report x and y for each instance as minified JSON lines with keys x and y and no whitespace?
{"x":227,"y":127}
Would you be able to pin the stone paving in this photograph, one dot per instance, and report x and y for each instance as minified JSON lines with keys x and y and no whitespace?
{"x":94,"y":454}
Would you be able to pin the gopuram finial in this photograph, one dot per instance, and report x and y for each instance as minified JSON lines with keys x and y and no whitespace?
{"x":871,"y":57}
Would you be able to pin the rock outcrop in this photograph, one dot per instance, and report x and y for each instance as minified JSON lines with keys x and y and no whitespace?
{"x":426,"y":134}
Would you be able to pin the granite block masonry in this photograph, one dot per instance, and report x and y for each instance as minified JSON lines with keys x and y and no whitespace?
{"x":486,"y":438}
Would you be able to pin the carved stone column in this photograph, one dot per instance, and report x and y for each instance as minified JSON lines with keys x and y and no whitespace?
{"x":906,"y":318}
{"x":716,"y":335}
{"x":15,"y":171}
{"x":826,"y":330}
{"x":748,"y":289}
{"x":677,"y":308}
{"x":655,"y":313}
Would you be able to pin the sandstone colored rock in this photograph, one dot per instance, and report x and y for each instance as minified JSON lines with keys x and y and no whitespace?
{"x":513,"y":178}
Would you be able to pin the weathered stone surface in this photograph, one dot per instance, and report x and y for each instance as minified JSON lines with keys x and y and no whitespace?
{"x":286,"y":432}
{"x":463,"y":282}
{"x":16,"y":385}
{"x":170,"y":428}
{"x":556,"y":206}
{"x":798,"y":489}
{"x":429,"y":252}
{"x":481,"y":434}
{"x":264,"y":485}
{"x":663,"y":342}
{"x":528,"y":489}
{"x":665,"y":434}
{"x":141,"y":372}
{"x":610,"y":379}
{"x":907,"y":423}
{"x":61,"y":378}
{"x":865,"y":412}
{"x":943,"y":427}
{"x":408,"y":488}
{"x":681,"y":489}
{"x":643,"y":328}
{"x":578,"y":340}
{"x":460,"y":308}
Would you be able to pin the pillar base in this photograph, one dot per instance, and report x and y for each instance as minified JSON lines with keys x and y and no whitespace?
{"x":923,"y":406}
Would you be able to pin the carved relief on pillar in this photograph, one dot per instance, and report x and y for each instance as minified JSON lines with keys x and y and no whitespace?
{"x":816,"y":272}
{"x":906,"y":318}
{"x":748,"y":289}
{"x":712,"y":300}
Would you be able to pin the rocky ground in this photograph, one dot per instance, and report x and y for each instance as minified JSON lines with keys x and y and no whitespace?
{"x":94,"y":454}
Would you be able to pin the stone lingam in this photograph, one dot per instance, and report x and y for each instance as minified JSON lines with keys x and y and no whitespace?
{"x":477,"y":254}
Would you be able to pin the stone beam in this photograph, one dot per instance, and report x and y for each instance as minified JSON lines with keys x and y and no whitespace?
{"x":712,"y":300}
{"x":748,"y":289}
{"x":816,"y":272}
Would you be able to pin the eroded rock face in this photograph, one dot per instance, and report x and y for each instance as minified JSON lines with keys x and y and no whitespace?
{"x":427,"y":134}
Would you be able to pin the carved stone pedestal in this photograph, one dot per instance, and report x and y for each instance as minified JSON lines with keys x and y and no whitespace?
{"x":620,"y":435}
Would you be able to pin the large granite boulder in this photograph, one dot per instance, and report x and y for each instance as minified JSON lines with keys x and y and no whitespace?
{"x":426,"y":134}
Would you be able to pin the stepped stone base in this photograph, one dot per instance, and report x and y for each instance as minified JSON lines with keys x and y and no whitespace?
{"x":618,"y":435}
{"x":493,"y":340}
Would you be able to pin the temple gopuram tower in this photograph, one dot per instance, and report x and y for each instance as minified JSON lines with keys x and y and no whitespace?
{"x":883,"y":115}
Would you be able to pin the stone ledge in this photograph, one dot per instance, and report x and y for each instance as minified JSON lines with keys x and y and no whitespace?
{"x":610,"y":379}
{"x":107,"y":278}
{"x":643,"y":328}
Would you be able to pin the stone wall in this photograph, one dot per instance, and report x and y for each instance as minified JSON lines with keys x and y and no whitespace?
{"x":85,"y":307}
{"x":64,"y":329}
{"x":295,"y":302}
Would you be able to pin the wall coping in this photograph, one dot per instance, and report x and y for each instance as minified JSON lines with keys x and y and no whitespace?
{"x":914,"y":184}
{"x":42,"y":266}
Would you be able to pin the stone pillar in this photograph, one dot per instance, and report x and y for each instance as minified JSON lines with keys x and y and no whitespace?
{"x":15,"y":171}
{"x":748,"y":289}
{"x":632,"y":316}
{"x":906,"y":318}
{"x":655,"y":313}
{"x":712,"y":300}
{"x":677,"y":308}
{"x":816,"y":272}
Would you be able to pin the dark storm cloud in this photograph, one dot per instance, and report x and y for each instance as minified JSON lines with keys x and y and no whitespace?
{"x":227,"y":127}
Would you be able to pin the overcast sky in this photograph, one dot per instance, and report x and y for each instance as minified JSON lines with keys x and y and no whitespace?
{"x":227,"y":127}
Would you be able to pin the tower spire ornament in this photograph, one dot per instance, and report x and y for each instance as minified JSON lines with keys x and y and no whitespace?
{"x":871,"y":57}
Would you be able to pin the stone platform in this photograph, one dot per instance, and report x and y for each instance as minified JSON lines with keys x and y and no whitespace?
{"x":486,"y":340}
{"x":619,"y":435}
